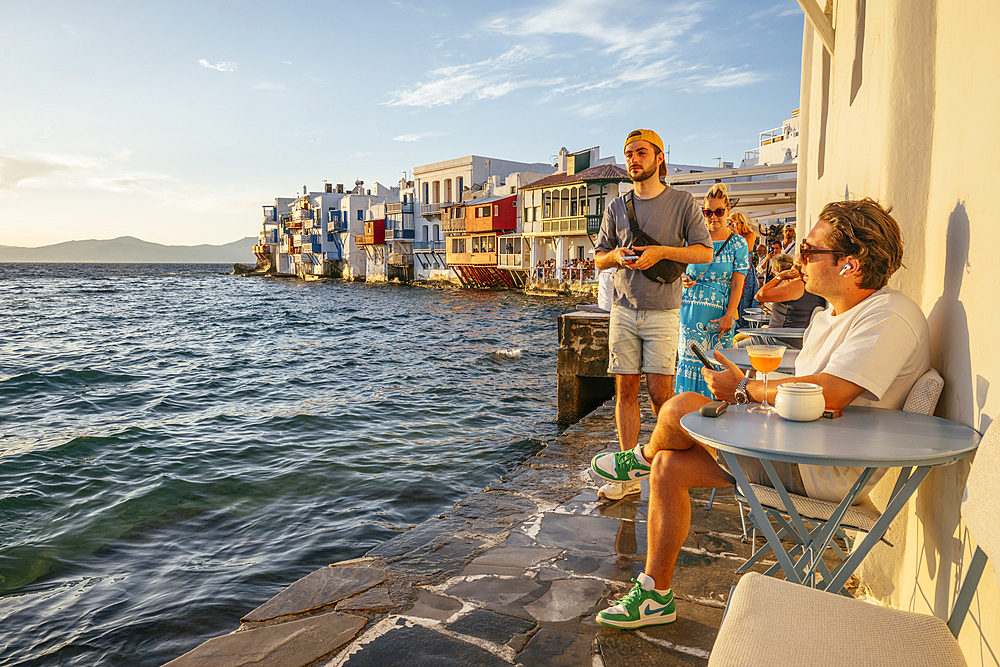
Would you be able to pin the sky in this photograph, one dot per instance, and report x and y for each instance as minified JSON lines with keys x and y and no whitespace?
{"x":176,"y":121}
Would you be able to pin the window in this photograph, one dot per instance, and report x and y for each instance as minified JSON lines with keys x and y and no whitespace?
{"x":496,"y":209}
{"x":447,"y":190}
{"x":459,"y":183}
{"x":547,"y":205}
{"x":425,"y":232}
{"x":437,"y":192}
{"x":454,"y":246}
{"x":427,"y":196}
{"x":361,"y":214}
{"x":482,"y":211}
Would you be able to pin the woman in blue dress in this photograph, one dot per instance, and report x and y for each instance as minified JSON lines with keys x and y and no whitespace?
{"x":709,"y":306}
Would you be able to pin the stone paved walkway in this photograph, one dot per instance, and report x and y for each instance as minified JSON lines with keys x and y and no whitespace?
{"x":512,"y":575}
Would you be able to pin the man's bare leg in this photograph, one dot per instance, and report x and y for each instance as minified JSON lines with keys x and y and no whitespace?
{"x":627,"y":410}
{"x":661,"y":390}
{"x":679,"y":464}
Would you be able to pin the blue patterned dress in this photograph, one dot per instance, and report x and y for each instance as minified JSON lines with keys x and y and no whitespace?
{"x":705,"y":301}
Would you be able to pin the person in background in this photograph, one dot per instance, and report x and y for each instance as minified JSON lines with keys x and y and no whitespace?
{"x":788,"y":240}
{"x":738,"y":223}
{"x":792,"y":305}
{"x":764,"y":266}
{"x":712,"y":293}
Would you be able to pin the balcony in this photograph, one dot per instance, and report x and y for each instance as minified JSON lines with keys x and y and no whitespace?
{"x":261,"y":250}
{"x":433,"y":209}
{"x":453,"y":226}
{"x":399,"y":207}
{"x":399,"y":235}
{"x":269,"y":236}
{"x":302,"y":214}
{"x":516,"y":260}
{"x":572,"y":225}
{"x":400,"y":259}
{"x":472,"y":259}
{"x":594,"y":224}
{"x":428,"y":246}
{"x":338,"y":226}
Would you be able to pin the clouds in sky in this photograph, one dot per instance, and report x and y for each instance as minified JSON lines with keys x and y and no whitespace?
{"x":222,"y":67}
{"x":567,"y":47}
{"x":46,"y":170}
{"x":417,"y":137}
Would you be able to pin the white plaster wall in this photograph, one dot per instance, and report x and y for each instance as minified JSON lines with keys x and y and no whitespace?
{"x":906,"y":112}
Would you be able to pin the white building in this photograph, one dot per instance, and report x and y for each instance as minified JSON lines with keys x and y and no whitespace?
{"x":443,"y":183}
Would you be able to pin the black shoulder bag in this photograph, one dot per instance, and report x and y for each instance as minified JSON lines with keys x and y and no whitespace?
{"x":665,"y":271}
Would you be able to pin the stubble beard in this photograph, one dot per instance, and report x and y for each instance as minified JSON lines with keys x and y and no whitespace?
{"x":646,"y":174}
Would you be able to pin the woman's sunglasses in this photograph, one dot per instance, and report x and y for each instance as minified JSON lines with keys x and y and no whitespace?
{"x":719,"y":212}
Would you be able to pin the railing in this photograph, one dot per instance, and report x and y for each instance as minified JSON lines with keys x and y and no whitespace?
{"x":400,"y":259}
{"x":302,"y":214}
{"x":456,"y":226}
{"x":594,"y":223}
{"x":364,"y":239}
{"x":398,"y":234}
{"x":570,"y":273}
{"x":261,"y":250}
{"x":332,"y":255}
{"x":563,"y":225}
{"x":428,"y":246}
{"x":751,"y":155}
{"x":430,"y":209}
{"x":516,"y":260}
{"x":269,"y":236}
{"x":399,"y":207}
{"x":338,"y":226}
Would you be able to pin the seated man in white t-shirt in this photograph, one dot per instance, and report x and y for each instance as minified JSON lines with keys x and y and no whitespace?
{"x":867,"y":348}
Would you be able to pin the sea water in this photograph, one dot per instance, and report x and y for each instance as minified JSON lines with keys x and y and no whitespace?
{"x":177,"y":444}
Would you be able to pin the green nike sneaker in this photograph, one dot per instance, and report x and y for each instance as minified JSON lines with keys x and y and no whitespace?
{"x":640,"y":607}
{"x":619,"y":466}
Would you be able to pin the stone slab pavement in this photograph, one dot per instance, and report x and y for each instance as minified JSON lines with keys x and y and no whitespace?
{"x":513,"y":575}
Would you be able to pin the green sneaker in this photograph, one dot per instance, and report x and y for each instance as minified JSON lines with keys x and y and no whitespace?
{"x":641,"y":607}
{"x":619,"y":466}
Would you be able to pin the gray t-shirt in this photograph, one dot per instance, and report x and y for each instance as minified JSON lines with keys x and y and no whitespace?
{"x":674,"y":219}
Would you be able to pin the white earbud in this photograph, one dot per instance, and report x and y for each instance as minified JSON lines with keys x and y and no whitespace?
{"x":847,"y":267}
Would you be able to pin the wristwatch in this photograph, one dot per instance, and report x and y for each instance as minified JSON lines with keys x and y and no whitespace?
{"x":742,"y":395}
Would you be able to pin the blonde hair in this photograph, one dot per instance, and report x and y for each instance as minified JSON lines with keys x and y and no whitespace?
{"x":740,"y":223}
{"x":718,"y":191}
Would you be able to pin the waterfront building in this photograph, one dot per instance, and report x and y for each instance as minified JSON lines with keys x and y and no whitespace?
{"x":561,"y":215}
{"x":442,"y":185}
{"x":268,"y":243}
{"x":350,"y":225}
{"x":301,"y":232}
{"x":399,"y":234}
{"x":372,"y":243}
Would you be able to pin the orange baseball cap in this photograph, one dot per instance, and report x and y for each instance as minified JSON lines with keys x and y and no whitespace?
{"x":645,"y":135}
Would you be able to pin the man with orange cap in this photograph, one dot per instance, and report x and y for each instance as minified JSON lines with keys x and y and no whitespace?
{"x":643,"y":332}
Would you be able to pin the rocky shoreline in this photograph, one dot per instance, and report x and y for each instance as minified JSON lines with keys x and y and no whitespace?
{"x":511,"y":575}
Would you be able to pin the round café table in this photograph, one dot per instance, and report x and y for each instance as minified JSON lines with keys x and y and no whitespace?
{"x":869,"y":438}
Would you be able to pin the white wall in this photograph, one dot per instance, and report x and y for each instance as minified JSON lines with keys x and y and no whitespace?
{"x":906,"y":112}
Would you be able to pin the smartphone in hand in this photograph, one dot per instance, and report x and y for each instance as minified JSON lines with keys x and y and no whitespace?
{"x":700,"y":353}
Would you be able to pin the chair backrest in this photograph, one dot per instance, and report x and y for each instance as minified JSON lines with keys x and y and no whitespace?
{"x":924,"y":393}
{"x":980,"y":506}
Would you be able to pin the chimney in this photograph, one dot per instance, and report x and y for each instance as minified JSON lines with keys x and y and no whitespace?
{"x":340,"y":188}
{"x":329,"y":188}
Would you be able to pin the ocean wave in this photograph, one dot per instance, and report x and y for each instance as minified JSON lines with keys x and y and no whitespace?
{"x":508,"y":354}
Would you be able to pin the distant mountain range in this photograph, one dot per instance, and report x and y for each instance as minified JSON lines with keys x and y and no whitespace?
{"x":130,"y":250}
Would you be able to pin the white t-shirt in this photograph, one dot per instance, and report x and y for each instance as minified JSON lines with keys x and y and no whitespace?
{"x":881,"y":344}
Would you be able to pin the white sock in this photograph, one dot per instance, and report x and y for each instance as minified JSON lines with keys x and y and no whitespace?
{"x":647,"y":584}
{"x":640,"y":457}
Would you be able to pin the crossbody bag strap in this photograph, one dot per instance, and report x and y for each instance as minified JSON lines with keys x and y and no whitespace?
{"x":633,"y":222}
{"x":715,"y":257}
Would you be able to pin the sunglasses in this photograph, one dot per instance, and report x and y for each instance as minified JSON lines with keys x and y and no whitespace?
{"x":719,"y":212}
{"x":805,"y":250}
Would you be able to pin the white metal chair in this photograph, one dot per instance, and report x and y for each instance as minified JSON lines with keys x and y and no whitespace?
{"x":923,"y":398}
{"x":775,"y":622}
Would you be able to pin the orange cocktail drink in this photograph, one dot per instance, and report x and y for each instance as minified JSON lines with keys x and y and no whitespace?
{"x":765,"y":359}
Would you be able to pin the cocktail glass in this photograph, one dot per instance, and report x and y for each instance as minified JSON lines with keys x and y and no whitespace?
{"x":765,"y":359}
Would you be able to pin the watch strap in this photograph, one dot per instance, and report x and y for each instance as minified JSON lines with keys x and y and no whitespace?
{"x":742,"y":395}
